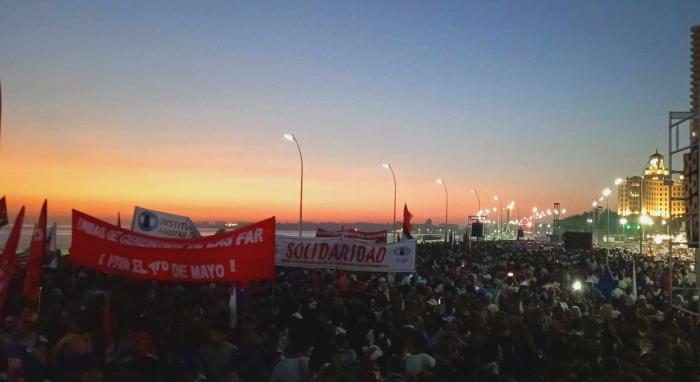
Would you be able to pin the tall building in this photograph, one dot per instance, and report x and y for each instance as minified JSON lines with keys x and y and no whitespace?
{"x":648,"y":194}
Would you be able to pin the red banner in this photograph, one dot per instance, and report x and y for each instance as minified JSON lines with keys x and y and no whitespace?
{"x":378,"y":236}
{"x":37,"y":250}
{"x":244,"y":254}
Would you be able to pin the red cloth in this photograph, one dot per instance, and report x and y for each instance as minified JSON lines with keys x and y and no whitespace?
{"x":7,"y":261}
{"x":3,"y":212}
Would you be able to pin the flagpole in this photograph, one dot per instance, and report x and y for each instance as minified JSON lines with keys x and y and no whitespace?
{"x":38,"y":315}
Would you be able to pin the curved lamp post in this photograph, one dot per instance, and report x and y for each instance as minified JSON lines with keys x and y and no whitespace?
{"x":444,"y":186}
{"x":292,"y":138}
{"x":393,"y":176}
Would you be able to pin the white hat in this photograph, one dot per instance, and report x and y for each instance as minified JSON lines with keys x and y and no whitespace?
{"x":432,"y":302}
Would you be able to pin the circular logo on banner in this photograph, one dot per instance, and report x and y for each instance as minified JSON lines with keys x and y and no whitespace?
{"x":147,"y":221}
{"x":402,"y":251}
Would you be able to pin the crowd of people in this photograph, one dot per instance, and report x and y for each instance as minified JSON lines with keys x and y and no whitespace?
{"x":491,"y":311}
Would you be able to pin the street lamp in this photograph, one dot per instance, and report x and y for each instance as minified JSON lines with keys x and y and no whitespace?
{"x":393,"y":176}
{"x":510,"y":207}
{"x":618,"y":181}
{"x":292,"y":138}
{"x":623,"y":223}
{"x":643,"y":220}
{"x":478,"y":201}
{"x":500,"y":215}
{"x":606,"y":193}
{"x":440,"y":181}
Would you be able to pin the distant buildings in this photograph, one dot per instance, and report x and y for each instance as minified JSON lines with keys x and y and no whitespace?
{"x":648,"y":194}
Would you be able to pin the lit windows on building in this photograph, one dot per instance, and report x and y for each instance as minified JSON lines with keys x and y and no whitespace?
{"x":648,"y":194}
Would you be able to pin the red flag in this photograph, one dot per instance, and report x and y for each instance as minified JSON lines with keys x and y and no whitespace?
{"x":3,"y":213}
{"x":119,"y":220}
{"x":7,"y":261}
{"x":407,"y":226}
{"x":37,"y":248}
{"x":107,"y":322}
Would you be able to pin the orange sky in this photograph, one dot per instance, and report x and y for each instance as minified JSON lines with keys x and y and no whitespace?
{"x":106,"y":173}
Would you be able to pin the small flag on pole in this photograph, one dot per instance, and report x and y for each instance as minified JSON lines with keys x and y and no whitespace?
{"x":37,"y":249}
{"x":407,"y":225}
{"x":51,"y":257}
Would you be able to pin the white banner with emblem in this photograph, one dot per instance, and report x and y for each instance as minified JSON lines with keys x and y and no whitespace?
{"x":351,"y":255}
{"x":163,"y":224}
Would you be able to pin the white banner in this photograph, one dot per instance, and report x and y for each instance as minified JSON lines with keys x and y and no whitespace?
{"x":162,"y":224}
{"x":351,"y":255}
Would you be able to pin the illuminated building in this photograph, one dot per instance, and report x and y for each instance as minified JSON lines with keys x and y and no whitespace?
{"x":648,"y":194}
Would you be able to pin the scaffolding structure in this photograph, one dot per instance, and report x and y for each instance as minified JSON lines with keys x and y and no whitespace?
{"x":678,"y":122}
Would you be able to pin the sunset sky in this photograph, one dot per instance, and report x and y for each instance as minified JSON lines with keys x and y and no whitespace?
{"x":181,"y":105}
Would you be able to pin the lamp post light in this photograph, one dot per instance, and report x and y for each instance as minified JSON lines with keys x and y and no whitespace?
{"x":393,"y":176}
{"x":478,"y":201}
{"x":643,"y":220}
{"x":500,"y":215}
{"x":595,"y":220}
{"x":444,"y":186}
{"x":623,"y":223}
{"x":292,"y":138}
{"x":509,"y":208}
{"x":606,"y":193}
